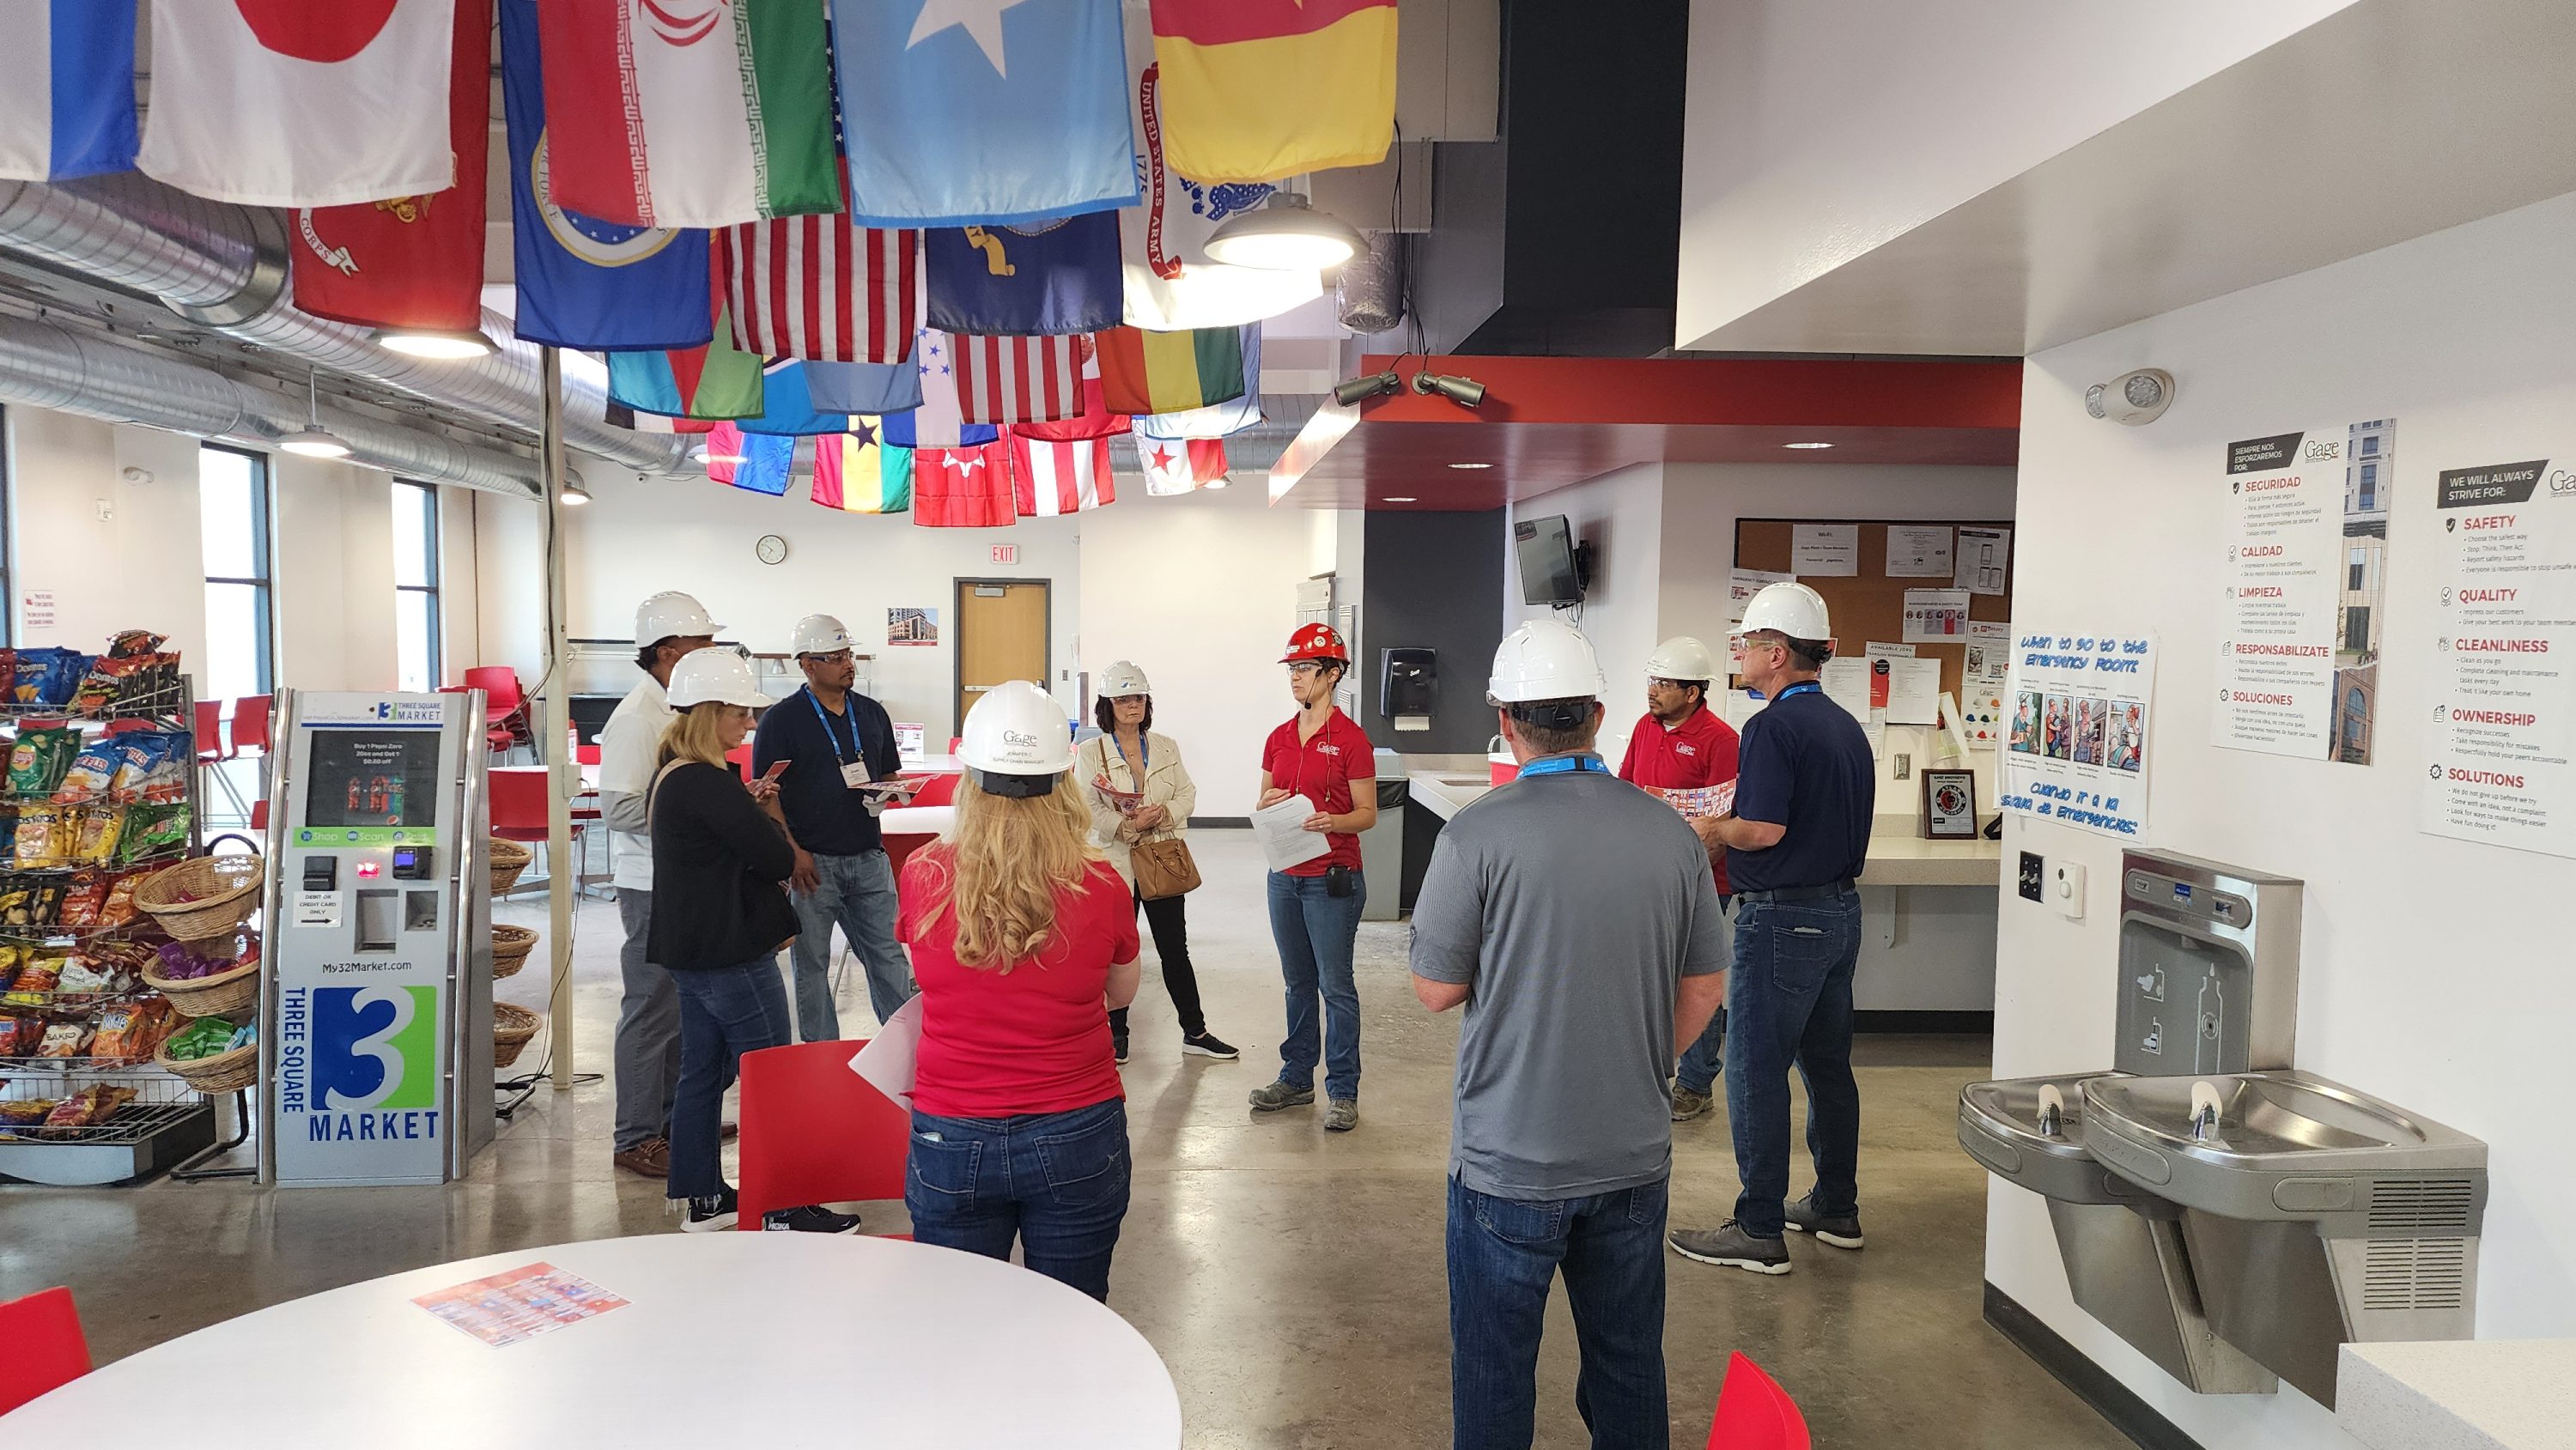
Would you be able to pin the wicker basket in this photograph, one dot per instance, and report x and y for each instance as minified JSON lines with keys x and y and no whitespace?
{"x":225,"y":994}
{"x":222,"y":1073}
{"x":510,"y":948}
{"x":204,"y":898}
{"x":512,"y":1026}
{"x":509,"y":859}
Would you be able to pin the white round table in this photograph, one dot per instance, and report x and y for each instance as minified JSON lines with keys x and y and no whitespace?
{"x":775,"y":1340}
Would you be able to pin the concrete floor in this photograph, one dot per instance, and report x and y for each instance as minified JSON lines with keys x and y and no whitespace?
{"x":1292,"y":1280}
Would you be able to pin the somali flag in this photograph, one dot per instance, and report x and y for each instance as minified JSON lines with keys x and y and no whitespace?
{"x":67,"y":89}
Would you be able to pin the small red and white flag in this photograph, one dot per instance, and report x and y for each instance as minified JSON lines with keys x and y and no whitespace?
{"x":963,"y":488}
{"x":1179,"y":466}
{"x":821,"y":289}
{"x":1064,"y":477}
{"x":1007,"y":380}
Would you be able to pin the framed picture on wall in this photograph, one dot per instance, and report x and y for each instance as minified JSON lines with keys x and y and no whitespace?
{"x":1950,"y":805}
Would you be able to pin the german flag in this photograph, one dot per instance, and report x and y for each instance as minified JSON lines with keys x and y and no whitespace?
{"x":1167,"y":372}
{"x":1258,"y":90}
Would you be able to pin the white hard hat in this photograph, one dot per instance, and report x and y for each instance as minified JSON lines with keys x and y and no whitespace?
{"x":717,"y":675}
{"x":1790,"y":608}
{"x":1017,"y":740}
{"x":819,"y":634}
{"x":1681,"y":658}
{"x":1545,"y":659}
{"x":1123,"y":678}
{"x":671,"y":615}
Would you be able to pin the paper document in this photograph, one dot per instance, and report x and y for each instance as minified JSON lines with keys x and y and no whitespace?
{"x":1744,"y":584}
{"x":1913,"y":692}
{"x":519,"y":1304}
{"x":1936,"y":616}
{"x":1124,"y":802}
{"x":1984,"y":555}
{"x":1918,"y":551}
{"x":1829,"y":550}
{"x":1697,"y":801}
{"x":886,"y":1061}
{"x":1281,"y":831}
{"x":1846,"y":683}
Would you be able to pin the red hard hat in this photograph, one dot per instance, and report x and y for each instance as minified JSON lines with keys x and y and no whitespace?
{"x":1316,"y":642}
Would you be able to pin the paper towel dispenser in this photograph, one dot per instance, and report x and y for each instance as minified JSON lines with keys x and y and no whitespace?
{"x":1408,"y":685}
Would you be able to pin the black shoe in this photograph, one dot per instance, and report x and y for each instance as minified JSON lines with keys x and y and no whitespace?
{"x":1729,"y":1245}
{"x":706,"y":1215}
{"x":811,"y":1219}
{"x":1118,"y":1045}
{"x":1842,"y":1230}
{"x":1207,"y":1044}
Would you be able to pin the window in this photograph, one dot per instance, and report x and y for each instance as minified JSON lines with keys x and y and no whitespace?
{"x":232,"y":505}
{"x":2359,"y":564}
{"x":2369,"y":445}
{"x":2370,"y":481}
{"x":2356,"y":629}
{"x":8,"y":576}
{"x":2356,"y":716}
{"x":415,"y":586}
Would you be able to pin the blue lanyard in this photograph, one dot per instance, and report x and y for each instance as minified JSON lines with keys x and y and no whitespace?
{"x":1565,"y":765}
{"x":1803,"y":687}
{"x":1144,"y":752}
{"x":858,"y":746}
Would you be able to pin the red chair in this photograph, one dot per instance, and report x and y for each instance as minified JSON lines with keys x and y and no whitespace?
{"x":518,"y":805}
{"x":1753,"y":1412}
{"x":259,"y":815}
{"x":250,"y":726}
{"x":815,"y":1132}
{"x":46,"y":1349}
{"x":505,"y":705}
{"x":740,"y":757}
{"x":586,"y":755}
{"x":940,"y":789}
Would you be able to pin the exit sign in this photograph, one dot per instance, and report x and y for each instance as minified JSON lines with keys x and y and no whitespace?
{"x":1006,"y":553}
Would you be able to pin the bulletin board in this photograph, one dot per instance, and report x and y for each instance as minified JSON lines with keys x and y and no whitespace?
{"x":1870,"y":606}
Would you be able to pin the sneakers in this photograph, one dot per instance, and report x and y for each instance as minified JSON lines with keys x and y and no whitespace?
{"x":1688,"y":1104}
{"x":1730,"y":1246}
{"x":1840,"y":1230}
{"x":707,"y":1215}
{"x":648,"y":1159}
{"x":1118,"y":1045}
{"x":1207,"y":1044}
{"x":1341,"y":1115}
{"x":1280,"y":1095}
{"x":811,"y":1219}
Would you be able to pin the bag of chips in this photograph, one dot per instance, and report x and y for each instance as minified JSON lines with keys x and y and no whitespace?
{"x":154,"y":830}
{"x":8,"y":675}
{"x":129,"y":643}
{"x":101,"y":827}
{"x":64,"y":1039}
{"x":87,"y":1108}
{"x":141,"y":756}
{"x":202,"y":1038}
{"x":82,"y":900}
{"x":19,"y":1036}
{"x":93,"y":768}
{"x":25,"y":1112}
{"x":118,"y":909}
{"x":38,"y":827}
{"x":35,"y":984}
{"x":88,"y":977}
{"x":129,"y":1031}
{"x":40,"y":758}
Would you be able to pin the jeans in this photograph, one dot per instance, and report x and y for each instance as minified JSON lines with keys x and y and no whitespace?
{"x":1788,"y":1001}
{"x":647,"y":1059}
{"x":1055,"y":1181}
{"x":1172,"y":946}
{"x":856,"y":893}
{"x":724,"y":1013}
{"x":1503,"y":1252}
{"x":1706,"y":1057}
{"x":1316,"y":933}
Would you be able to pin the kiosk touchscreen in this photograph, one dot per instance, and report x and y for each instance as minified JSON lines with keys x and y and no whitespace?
{"x":377,"y":1017}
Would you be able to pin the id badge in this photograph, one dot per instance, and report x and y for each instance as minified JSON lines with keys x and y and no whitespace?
{"x":854,"y":774}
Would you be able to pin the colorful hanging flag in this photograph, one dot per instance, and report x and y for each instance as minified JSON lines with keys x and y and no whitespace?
{"x":982,"y":112}
{"x":67,"y":89}
{"x":787,"y":405}
{"x":1053,"y":276}
{"x":1217,"y":420}
{"x":857,"y":473}
{"x":1061,"y":478}
{"x":752,"y":462}
{"x":1018,"y":379}
{"x":1165,"y":372}
{"x":937,"y":423}
{"x":963,"y":488}
{"x":272,"y":103}
{"x":1170,"y":282}
{"x":1094,"y":421}
{"x":870,"y":388}
{"x":712,"y":380}
{"x":1179,"y":465}
{"x":904,"y":430}
{"x":585,"y":283}
{"x":415,"y":262}
{"x":817,"y":287}
{"x":1257,"y":90}
{"x":689,"y":113}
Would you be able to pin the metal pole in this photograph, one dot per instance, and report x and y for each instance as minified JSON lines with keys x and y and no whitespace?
{"x":554,"y":714}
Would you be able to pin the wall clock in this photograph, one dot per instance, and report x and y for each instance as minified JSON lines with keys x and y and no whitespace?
{"x":772,"y":549}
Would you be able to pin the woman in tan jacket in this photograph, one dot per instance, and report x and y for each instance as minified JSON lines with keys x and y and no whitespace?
{"x":1125,"y":761}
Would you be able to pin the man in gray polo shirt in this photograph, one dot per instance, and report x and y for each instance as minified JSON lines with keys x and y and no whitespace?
{"x":1575,"y":917}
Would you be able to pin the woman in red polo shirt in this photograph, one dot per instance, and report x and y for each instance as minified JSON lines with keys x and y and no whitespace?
{"x":1315,"y":907}
{"x":1023,"y":938}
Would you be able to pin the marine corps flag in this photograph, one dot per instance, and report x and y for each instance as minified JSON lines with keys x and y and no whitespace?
{"x":1257,"y":90}
{"x":415,"y":262}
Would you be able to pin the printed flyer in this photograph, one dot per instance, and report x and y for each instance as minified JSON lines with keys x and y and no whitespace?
{"x":521,"y":1304}
{"x":2081,"y":707}
{"x":2497,"y":755}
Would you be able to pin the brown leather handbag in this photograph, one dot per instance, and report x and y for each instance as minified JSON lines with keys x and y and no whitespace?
{"x":1163,"y":868}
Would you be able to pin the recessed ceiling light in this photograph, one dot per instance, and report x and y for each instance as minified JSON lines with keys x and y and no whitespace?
{"x":1471,"y":465}
{"x":1400,"y":498}
{"x":1806,"y":445}
{"x":439,"y":346}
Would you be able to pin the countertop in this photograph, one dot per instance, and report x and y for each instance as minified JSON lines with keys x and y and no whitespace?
{"x":2460,"y":1394}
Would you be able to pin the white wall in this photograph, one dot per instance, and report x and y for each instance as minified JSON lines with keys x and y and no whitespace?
{"x":1621,"y":515}
{"x":333,"y":561}
{"x":141,"y":567}
{"x":2434,"y":971}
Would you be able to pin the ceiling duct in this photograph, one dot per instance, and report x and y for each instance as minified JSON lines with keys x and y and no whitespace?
{"x":1369,"y":296}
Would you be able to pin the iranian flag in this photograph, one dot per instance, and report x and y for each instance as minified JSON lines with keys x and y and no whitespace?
{"x":688,"y":113}
{"x":1061,"y":477}
{"x":1174,"y":465}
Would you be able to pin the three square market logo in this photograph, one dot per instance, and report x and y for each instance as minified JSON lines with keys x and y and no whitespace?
{"x":375,"y":1047}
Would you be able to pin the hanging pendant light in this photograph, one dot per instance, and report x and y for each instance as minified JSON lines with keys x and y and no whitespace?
{"x":436,"y":346}
{"x":1285,"y":234}
{"x":315,"y":441}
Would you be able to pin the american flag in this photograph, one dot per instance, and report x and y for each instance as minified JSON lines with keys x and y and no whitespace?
{"x":1019,"y":379}
{"x":1061,"y":477}
{"x":818,"y":288}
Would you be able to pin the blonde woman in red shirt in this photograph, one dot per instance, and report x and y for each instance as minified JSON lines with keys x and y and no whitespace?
{"x":1023,"y":939}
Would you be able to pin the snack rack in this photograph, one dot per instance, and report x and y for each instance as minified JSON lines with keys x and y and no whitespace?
{"x":166,"y":1123}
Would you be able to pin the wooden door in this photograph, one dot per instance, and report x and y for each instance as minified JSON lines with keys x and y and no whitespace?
{"x":1001,"y":635}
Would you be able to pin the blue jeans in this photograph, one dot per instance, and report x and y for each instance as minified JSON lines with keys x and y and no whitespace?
{"x":1706,"y":1057}
{"x":857,"y":894}
{"x":1316,"y":933}
{"x":1789,"y":1001}
{"x":724,"y":1013}
{"x":1503,"y":1252}
{"x":1055,"y":1181}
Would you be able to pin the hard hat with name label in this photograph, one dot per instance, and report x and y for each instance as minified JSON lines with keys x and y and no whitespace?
{"x":1017,"y":740}
{"x":1123,"y":678}
{"x":672,"y":615}
{"x":1545,"y":659}
{"x":1316,"y":642}
{"x":819,"y":634}
{"x":716,"y":676}
{"x":1681,"y":658}
{"x":1790,"y":608}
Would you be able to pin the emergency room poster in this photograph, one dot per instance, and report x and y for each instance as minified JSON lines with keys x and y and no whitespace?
{"x":2306,"y":529}
{"x":2497,"y":756}
{"x":2081,"y":706}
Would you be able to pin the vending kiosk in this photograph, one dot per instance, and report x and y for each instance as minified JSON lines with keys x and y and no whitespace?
{"x":376,"y":1016}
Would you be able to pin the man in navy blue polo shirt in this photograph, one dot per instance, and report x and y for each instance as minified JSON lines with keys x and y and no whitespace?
{"x":1805,"y":788}
{"x":835,"y":740}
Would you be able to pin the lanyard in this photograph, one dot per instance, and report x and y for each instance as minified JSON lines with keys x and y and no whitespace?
{"x":1565,"y":765}
{"x":858,"y":746}
{"x":1803,"y":687}
{"x":1144,"y":752}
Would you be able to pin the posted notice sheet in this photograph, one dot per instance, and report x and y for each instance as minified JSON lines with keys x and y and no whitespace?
{"x":2081,"y":705}
{"x":2307,"y":539}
